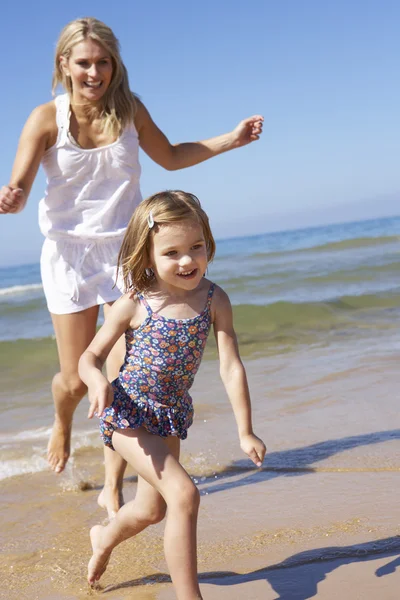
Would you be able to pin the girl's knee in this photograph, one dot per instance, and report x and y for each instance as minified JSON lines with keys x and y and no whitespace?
{"x":186,"y":497}
{"x":152,"y":513}
{"x":156,"y":513}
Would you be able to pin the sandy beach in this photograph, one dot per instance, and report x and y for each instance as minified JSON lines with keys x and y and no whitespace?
{"x":320,"y":519}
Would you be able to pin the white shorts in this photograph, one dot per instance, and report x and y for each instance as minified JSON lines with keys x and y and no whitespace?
{"x":79,"y":274}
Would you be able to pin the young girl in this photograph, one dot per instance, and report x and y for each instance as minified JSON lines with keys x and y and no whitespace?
{"x":88,"y":140}
{"x":166,"y":315}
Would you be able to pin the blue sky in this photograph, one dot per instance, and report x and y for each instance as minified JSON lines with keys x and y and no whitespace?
{"x":324,"y":75}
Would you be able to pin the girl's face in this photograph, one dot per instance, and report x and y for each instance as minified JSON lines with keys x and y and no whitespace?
{"x":179,"y":255}
{"x":90,"y":68}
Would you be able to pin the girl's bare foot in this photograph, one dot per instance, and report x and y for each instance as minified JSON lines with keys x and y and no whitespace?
{"x":58,"y":448}
{"x":111,"y":500}
{"x":99,"y":561}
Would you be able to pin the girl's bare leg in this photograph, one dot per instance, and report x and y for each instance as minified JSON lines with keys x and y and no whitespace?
{"x":156,"y":461}
{"x":110,"y":496}
{"x":74,"y":332}
{"x":147,"y":508}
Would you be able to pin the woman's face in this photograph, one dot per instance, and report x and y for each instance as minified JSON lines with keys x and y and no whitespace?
{"x":90,"y":68}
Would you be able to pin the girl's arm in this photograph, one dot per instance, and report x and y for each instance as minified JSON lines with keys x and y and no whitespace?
{"x":38,"y":134}
{"x":179,"y":156}
{"x":92,"y":360}
{"x":234,"y":378}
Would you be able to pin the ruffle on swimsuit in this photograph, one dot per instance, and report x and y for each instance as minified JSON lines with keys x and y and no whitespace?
{"x":162,"y":358}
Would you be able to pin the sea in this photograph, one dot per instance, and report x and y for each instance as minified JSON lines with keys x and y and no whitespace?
{"x":308,"y":288}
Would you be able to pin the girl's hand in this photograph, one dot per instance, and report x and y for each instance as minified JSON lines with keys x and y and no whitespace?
{"x":254,"y":448}
{"x":248,"y":130}
{"x":12,"y":200}
{"x":100,"y":397}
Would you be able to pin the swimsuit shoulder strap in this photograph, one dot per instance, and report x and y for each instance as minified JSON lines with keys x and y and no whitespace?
{"x":210,"y":295}
{"x":145,"y":303}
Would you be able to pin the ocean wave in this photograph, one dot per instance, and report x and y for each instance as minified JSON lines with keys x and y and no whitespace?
{"x":265,"y":324}
{"x":350,"y":244}
{"x":23,"y":466}
{"x":84,"y":439}
{"x":313,"y":314}
{"x":24,"y":452}
{"x":20,"y":289}
{"x":361,"y":242}
{"x":363,"y":273}
{"x":25,"y":436}
{"x":291,"y":279}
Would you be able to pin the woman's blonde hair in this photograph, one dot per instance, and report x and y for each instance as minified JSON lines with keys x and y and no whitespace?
{"x":163,"y":208}
{"x":119,"y":103}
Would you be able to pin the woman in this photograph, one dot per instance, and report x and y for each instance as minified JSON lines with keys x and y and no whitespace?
{"x":88,"y":141}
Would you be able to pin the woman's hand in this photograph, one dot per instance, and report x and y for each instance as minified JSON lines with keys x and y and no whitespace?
{"x":248,"y":130}
{"x":100,"y":397}
{"x":12,"y":200}
{"x":254,"y":448}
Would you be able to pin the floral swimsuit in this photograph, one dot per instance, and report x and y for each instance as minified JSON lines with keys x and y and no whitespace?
{"x":162,"y":357}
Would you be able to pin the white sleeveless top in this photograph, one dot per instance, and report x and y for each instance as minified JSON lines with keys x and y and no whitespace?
{"x":90,"y":194}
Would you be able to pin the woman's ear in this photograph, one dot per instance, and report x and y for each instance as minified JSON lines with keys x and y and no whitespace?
{"x":64,"y":66}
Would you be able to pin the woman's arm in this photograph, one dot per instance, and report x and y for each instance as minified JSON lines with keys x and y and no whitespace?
{"x":92,"y":360}
{"x":234,"y":378}
{"x":38,"y":134}
{"x":179,"y":156}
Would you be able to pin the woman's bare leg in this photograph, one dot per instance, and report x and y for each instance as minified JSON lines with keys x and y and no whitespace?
{"x":110,"y":496}
{"x":155,"y":459}
{"x":74,"y":332}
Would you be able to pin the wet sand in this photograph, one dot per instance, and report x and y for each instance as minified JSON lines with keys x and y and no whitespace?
{"x":320,"y":519}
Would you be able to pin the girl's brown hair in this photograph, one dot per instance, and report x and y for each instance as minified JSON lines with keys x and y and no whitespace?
{"x":165,"y":207}
{"x":119,"y":103}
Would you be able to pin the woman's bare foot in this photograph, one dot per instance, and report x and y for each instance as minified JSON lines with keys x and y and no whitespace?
{"x":111,"y":500}
{"x":99,"y":561}
{"x":58,"y":448}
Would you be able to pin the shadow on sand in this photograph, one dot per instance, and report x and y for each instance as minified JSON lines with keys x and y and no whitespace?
{"x":293,"y":463}
{"x":297,"y":577}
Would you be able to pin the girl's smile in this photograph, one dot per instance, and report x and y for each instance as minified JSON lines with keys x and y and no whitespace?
{"x":188,"y":274}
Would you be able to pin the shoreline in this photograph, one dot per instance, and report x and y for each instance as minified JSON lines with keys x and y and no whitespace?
{"x":321,"y":514}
